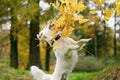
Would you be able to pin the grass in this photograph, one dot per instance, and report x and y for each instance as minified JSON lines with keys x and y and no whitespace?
{"x":82,"y":76}
{"x":7,"y":73}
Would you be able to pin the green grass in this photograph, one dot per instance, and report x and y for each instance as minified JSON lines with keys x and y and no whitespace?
{"x":8,"y":73}
{"x":82,"y":76}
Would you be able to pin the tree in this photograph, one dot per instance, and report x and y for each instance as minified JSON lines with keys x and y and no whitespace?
{"x":116,"y":13}
{"x":34,"y":55}
{"x":47,"y":61}
{"x":115,"y":51}
{"x":13,"y":35}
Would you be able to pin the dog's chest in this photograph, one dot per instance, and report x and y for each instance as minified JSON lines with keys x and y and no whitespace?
{"x":63,"y":48}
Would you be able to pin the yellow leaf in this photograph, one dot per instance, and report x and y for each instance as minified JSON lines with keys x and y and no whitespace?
{"x":55,"y":46}
{"x":80,"y":7}
{"x":61,"y":9}
{"x":103,"y":1}
{"x":106,"y":19}
{"x":93,"y":12}
{"x":81,"y":21}
{"x":53,"y":5}
{"x":117,"y":1}
{"x":118,"y":9}
{"x":99,"y":2}
{"x":57,"y":3}
{"x":77,"y":17}
{"x":63,"y":1}
{"x":67,"y":31}
{"x":108,"y":13}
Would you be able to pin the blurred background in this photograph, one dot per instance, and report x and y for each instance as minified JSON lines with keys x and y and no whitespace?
{"x":21,"y":21}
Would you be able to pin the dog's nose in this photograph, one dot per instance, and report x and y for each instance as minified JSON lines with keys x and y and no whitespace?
{"x":39,"y":35}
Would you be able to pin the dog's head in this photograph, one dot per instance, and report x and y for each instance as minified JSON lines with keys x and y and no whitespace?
{"x":46,"y":33}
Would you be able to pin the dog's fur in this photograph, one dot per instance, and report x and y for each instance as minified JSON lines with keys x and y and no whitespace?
{"x":66,"y":54}
{"x":39,"y":74}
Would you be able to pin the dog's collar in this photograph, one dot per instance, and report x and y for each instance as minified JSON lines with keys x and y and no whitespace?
{"x":55,"y":39}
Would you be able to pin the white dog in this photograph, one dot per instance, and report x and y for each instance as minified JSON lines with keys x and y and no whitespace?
{"x":39,"y":74}
{"x":66,"y":54}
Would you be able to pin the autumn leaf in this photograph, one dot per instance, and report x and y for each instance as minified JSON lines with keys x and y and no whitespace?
{"x":108,"y":13}
{"x":77,"y":17}
{"x":55,"y":5}
{"x":69,"y":14}
{"x":63,"y":1}
{"x":118,"y":10}
{"x":118,"y":1}
{"x":93,"y":12}
{"x":81,"y":21}
{"x":55,"y":45}
{"x":61,"y":9}
{"x":118,"y":7}
{"x":80,"y":7}
{"x":99,"y":2}
{"x":67,"y":31}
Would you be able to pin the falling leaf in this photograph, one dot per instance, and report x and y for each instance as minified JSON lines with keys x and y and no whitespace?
{"x":80,"y":7}
{"x":99,"y":2}
{"x":118,"y":9}
{"x":77,"y":17}
{"x":108,"y":13}
{"x":117,"y":1}
{"x":81,"y":21}
{"x":53,"y":5}
{"x":63,"y":1}
{"x":55,"y":45}
{"x":61,"y":9}
{"x":67,"y":31}
{"x":69,"y":14}
{"x":93,"y":12}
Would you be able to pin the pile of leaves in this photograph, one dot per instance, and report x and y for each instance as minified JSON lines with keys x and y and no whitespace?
{"x":109,"y":74}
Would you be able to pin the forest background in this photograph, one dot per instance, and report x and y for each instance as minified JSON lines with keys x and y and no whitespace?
{"x":21,"y":20}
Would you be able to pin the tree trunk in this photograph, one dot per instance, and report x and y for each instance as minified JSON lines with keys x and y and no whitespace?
{"x":13,"y":41}
{"x":47,"y":63}
{"x":104,"y":36}
{"x":96,"y":51}
{"x":34,"y":56}
{"x":115,"y":52}
{"x":105,"y":44}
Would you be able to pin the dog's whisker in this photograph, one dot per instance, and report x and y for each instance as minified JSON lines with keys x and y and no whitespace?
{"x":88,"y":51}
{"x":48,"y":47}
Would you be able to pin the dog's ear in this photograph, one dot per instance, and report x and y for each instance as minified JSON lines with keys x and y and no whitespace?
{"x":83,"y":42}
